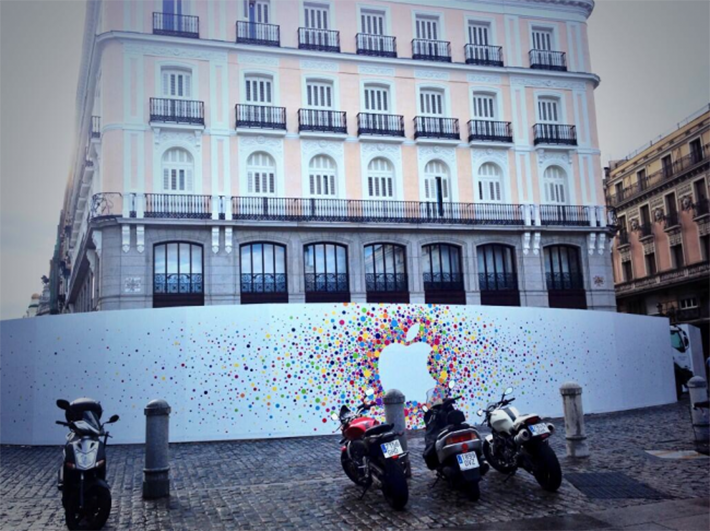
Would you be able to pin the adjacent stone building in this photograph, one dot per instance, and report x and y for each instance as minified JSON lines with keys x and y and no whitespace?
{"x":313,"y":151}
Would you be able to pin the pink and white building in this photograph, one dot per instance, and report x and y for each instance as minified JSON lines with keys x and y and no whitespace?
{"x":244,"y":151}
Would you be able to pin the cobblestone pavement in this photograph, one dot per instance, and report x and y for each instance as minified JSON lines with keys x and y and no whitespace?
{"x":298,"y":483}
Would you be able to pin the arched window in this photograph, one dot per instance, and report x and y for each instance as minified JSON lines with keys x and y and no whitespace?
{"x":263,"y":273}
{"x":322,"y":175}
{"x":386,"y":273}
{"x":261,"y":170}
{"x":489,"y":183}
{"x":177,"y":171}
{"x":380,"y":178}
{"x":435,"y":171}
{"x":326,"y":272}
{"x":497,"y":278}
{"x":177,"y":275}
{"x":555,"y":185}
{"x":442,"y":274}
{"x":564,"y":277}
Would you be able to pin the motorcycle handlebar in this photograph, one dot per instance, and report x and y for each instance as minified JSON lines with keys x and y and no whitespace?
{"x":61,"y":423}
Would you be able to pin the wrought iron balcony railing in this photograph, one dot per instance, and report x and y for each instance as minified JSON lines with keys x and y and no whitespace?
{"x":560,"y":134}
{"x":489,"y":131}
{"x":430,"y":50}
{"x":327,"y":282}
{"x":701,"y":207}
{"x":376,"y":45}
{"x":677,"y":168}
{"x":435,"y":127}
{"x":380,"y":124}
{"x":671,"y":220}
{"x":479,"y":54}
{"x":264,"y":283}
{"x":95,"y":127}
{"x":178,"y":206}
{"x":323,"y":121}
{"x":623,"y":238}
{"x":176,"y":25}
{"x":567,"y":215}
{"x":548,"y":60}
{"x":498,"y":281}
{"x":645,"y":230}
{"x":319,"y":39}
{"x":697,"y":271}
{"x":564,"y":281}
{"x":173,"y":283}
{"x":190,"y":112}
{"x":386,"y":282}
{"x":443,"y":282}
{"x":257,"y":33}
{"x":260,"y":117}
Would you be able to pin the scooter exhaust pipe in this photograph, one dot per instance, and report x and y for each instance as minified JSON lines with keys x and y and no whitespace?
{"x":522,"y":437}
{"x":551,"y":427}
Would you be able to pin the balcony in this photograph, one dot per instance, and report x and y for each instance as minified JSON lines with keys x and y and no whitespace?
{"x":696,"y":272}
{"x":566,"y":215}
{"x":176,"y":25}
{"x":258,"y":33}
{"x":548,"y":60}
{"x":645,"y":230}
{"x":319,"y":40}
{"x":555,"y":134}
{"x":623,"y":238}
{"x":479,"y":54}
{"x":428,"y":50}
{"x":489,"y":131}
{"x":679,"y":168}
{"x":671,"y":220}
{"x":260,"y":117}
{"x":435,"y":127}
{"x":177,"y":206}
{"x":701,"y":208}
{"x":95,"y":127}
{"x":388,"y":125}
{"x":188,"y":112}
{"x":313,"y":120}
{"x":376,"y":45}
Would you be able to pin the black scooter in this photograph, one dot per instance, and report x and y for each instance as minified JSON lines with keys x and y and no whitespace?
{"x":452,"y":448}
{"x":86,"y":497}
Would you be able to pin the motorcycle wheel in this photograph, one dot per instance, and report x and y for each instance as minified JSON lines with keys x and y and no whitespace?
{"x":351,"y":470}
{"x":394,"y":485}
{"x":546,"y":467}
{"x":473,"y":490}
{"x":494,"y":462}
{"x":96,"y":510}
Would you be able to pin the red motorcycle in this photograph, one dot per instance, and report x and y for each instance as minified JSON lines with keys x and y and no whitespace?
{"x":370,"y":449}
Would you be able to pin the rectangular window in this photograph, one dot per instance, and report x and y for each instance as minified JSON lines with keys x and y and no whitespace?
{"x":176,"y":84}
{"x":667,"y":164}
{"x":319,"y":95}
{"x":677,"y":259}
{"x":489,"y":191}
{"x":478,"y":33}
{"x":542,"y":39}
{"x":548,"y":110}
{"x":705,"y":247}
{"x":427,"y":27}
{"x":671,"y":208}
{"x":645,"y":215}
{"x":641,"y":179}
{"x":431,"y":103}
{"x":689,"y":303}
{"x":650,"y":264}
{"x":484,"y":107}
{"x":627,"y":271}
{"x":377,"y":99}
{"x":696,"y":151}
{"x":259,"y":90}
{"x":316,"y":16}
{"x":372,"y":22}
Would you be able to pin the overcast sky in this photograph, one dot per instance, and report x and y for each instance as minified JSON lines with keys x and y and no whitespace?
{"x":652,"y":55}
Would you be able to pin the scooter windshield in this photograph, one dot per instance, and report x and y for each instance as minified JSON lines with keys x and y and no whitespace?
{"x":89,"y":424}
{"x":435,"y":395}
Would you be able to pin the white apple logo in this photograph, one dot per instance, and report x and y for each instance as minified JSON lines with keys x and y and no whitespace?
{"x":403,"y":366}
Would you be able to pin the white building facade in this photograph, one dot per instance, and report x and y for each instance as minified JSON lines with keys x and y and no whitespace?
{"x":237,"y":152}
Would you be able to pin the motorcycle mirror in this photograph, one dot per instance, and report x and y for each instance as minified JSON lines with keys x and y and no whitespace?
{"x":114,"y":418}
{"x":479,"y":412}
{"x":425,"y":409}
{"x":509,"y":390}
{"x":369,"y":392}
{"x":63,"y":404}
{"x":334,"y":416}
{"x":452,"y":384}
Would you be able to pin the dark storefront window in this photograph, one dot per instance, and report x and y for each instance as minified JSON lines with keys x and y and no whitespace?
{"x":386,"y":273}
{"x":263,"y":273}
{"x":177,"y":275}
{"x":326,"y":273}
{"x":497,"y":278}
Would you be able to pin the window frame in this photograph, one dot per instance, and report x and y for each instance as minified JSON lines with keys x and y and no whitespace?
{"x":193,"y":297}
{"x":275,"y":292}
{"x":176,"y":166}
{"x":325,"y":245}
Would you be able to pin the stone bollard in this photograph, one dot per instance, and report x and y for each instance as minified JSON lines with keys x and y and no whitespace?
{"x":698,"y":391}
{"x":574,"y":420}
{"x":156,"y":474}
{"x":394,"y":414}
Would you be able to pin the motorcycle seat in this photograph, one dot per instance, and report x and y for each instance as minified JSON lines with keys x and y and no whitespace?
{"x":380,"y":429}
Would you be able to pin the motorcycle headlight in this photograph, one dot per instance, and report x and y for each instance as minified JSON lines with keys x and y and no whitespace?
{"x":85,"y":458}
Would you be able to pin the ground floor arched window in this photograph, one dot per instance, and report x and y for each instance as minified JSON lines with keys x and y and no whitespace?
{"x":386,"y":273}
{"x":443,"y":274}
{"x":263,"y":275}
{"x":178,"y":274}
{"x":326,"y":272}
{"x":564,"y":277}
{"x":497,"y":275}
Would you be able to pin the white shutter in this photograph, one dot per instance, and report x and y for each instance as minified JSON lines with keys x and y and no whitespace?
{"x":484,"y":107}
{"x":427,"y":28}
{"x":372,"y":22}
{"x":316,"y":16}
{"x":319,"y":95}
{"x":548,"y":110}
{"x":478,"y":33}
{"x":376,"y":99}
{"x":542,"y":39}
{"x":431,"y":103}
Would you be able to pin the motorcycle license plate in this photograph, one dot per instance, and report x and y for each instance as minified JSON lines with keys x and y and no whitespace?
{"x":467,"y":461}
{"x":392,"y":449}
{"x":539,"y":429}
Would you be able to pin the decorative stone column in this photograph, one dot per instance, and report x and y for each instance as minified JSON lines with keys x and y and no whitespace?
{"x":574,"y":420}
